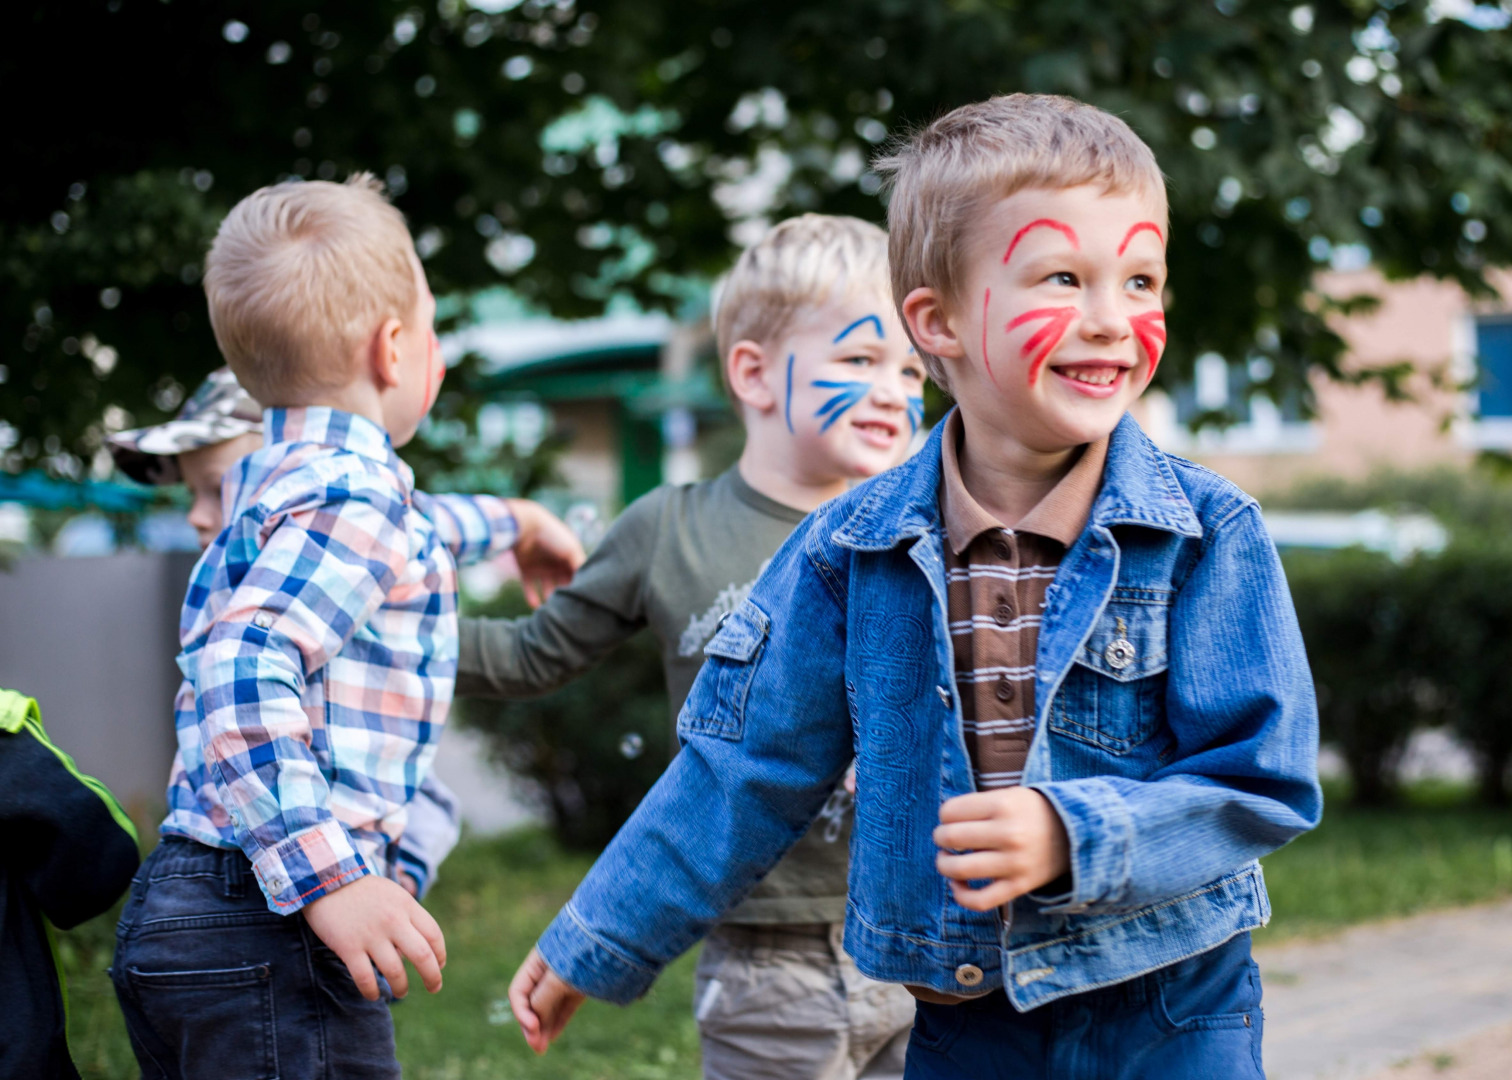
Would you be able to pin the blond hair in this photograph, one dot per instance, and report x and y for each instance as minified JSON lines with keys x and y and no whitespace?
{"x":943,"y":177}
{"x":300,"y":274}
{"x":800,"y":263}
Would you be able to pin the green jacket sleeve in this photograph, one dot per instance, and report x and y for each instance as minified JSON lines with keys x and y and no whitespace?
{"x":62,"y":834}
{"x":577,"y":627}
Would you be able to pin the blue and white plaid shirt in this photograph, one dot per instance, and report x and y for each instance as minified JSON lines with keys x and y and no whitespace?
{"x":320,"y":645}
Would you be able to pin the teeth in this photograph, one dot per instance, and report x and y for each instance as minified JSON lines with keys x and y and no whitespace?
{"x":1093,"y":377}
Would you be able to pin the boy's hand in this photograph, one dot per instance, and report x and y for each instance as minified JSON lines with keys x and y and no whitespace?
{"x":547,"y":552}
{"x":373,"y":921}
{"x":1012,"y":836}
{"x":541,"y":1001}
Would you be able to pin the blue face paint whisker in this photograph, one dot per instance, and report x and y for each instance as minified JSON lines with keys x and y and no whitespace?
{"x":837,"y":406}
{"x":787,"y":407}
{"x":864,"y":319}
{"x":916,"y":412}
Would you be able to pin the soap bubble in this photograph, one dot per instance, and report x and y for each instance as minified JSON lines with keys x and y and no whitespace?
{"x":631,"y":745}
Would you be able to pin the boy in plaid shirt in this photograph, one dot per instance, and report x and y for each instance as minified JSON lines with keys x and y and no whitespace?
{"x":319,"y":651}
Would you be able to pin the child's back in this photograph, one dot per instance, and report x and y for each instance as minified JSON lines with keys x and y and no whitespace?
{"x":319,"y":646}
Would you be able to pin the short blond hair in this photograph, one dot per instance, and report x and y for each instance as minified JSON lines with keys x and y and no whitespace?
{"x":803,"y":262}
{"x":299,"y":275}
{"x":943,"y":177}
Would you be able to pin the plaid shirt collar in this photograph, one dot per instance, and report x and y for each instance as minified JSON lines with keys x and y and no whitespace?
{"x":340,"y":430}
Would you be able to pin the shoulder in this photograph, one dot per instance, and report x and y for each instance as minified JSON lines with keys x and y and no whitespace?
{"x":289,"y":477}
{"x":1215,"y":499}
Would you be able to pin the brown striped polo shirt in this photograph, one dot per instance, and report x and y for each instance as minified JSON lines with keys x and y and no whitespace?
{"x":996,"y":579}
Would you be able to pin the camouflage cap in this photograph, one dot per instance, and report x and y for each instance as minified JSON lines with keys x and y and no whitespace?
{"x":219,"y":410}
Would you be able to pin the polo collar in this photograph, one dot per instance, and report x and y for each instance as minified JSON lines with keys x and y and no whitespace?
{"x":1139,"y":488}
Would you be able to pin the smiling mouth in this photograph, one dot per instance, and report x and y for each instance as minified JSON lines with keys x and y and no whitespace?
{"x":876,"y":429}
{"x":1096,"y":373}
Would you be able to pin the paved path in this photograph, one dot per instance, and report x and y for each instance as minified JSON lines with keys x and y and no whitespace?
{"x":1374,"y":996}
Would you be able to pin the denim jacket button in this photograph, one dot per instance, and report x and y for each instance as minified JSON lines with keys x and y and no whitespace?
{"x":944,"y":696}
{"x":1120,"y":654}
{"x":968,"y":975}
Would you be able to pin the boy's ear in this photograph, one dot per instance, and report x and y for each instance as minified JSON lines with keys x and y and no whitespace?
{"x":384,"y":350}
{"x":930,"y":324}
{"x":750,"y":377}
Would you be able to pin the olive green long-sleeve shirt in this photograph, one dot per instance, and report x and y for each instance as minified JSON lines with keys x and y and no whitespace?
{"x":675,"y":561}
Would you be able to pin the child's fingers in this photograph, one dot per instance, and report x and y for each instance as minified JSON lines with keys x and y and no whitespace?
{"x":360,"y":967}
{"x":390,"y":966}
{"x":430,"y":929}
{"x":975,"y":866}
{"x":970,"y":835}
{"x":562,"y":1011}
{"x":976,"y":806}
{"x":418,"y":951}
{"x":520,"y":986}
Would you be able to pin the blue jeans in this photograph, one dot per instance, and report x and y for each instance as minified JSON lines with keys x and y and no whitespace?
{"x":216,"y":986}
{"x":1194,"y":1020}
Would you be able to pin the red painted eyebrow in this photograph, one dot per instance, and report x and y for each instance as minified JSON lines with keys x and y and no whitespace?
{"x":1049,"y":223}
{"x":1141,"y":227}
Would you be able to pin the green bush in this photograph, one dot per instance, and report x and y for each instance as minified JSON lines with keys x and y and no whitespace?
{"x":1464,"y":615}
{"x":1366,"y":649}
{"x":1398,"y":647}
{"x":594,"y":747}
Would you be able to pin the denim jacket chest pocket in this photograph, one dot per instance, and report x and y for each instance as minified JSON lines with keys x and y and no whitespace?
{"x":716,"y":704}
{"x":1113,"y":697}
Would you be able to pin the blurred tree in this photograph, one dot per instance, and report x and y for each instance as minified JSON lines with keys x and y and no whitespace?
{"x":576,"y":150}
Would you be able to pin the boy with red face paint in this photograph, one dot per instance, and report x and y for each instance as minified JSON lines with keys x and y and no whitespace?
{"x":1067,"y":665}
{"x":319,"y":639}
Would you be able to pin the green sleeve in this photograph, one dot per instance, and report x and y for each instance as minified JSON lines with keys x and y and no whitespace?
{"x":577,"y":627}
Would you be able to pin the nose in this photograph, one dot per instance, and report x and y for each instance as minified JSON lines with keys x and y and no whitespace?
{"x":1103,"y":317}
{"x":887,"y":390}
{"x":204,"y":515}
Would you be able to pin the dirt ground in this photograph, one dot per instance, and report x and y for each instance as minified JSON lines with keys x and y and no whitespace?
{"x":1486,"y":1056}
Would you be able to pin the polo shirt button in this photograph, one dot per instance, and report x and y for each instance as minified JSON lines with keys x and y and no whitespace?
{"x":1000,"y":549}
{"x":1004,"y":689}
{"x":969,"y":975}
{"x":1003,"y":615}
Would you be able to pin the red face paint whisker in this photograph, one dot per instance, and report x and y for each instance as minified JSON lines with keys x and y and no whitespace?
{"x":986,"y":299}
{"x":1049,"y":223}
{"x":1046,"y":338}
{"x":1152,"y":337}
{"x":1143,"y":226}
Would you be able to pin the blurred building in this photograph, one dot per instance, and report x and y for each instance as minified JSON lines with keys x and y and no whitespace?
{"x":1460,"y":350}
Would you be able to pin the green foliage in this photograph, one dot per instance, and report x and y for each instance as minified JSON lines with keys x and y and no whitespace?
{"x":1361,"y":864}
{"x":594,"y":747}
{"x":1465,"y":618}
{"x":1365,"y":644}
{"x":580,"y":149}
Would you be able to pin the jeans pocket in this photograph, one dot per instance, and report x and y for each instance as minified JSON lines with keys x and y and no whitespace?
{"x":937,"y":1027}
{"x":219,"y":1021}
{"x":1216,"y":990}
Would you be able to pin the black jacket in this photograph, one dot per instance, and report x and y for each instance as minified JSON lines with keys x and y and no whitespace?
{"x":67,"y":851}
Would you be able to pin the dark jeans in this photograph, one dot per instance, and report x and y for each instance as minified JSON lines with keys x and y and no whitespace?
{"x":216,"y":986}
{"x":1195,"y":1020}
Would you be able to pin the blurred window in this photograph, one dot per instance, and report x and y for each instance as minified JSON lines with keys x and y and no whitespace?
{"x":1493,"y":346}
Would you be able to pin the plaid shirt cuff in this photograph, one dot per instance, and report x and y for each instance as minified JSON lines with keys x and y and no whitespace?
{"x":415,"y":868}
{"x":307,"y":866}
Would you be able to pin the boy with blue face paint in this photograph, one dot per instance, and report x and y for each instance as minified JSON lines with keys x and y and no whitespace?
{"x":830,"y":392}
{"x":1065,"y":664}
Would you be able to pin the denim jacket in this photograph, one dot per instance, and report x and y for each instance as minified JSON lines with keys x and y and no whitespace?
{"x":1176,"y":737}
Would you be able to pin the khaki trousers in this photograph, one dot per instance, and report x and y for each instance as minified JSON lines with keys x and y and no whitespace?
{"x":787,"y":1003}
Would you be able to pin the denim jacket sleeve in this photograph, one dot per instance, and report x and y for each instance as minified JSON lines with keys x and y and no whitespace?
{"x":1242,"y":777}
{"x":766,"y":734}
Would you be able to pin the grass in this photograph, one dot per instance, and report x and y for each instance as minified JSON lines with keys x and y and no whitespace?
{"x":495,"y":895}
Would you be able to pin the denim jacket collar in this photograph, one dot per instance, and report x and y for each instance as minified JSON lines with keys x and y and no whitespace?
{"x":1139,"y":488}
